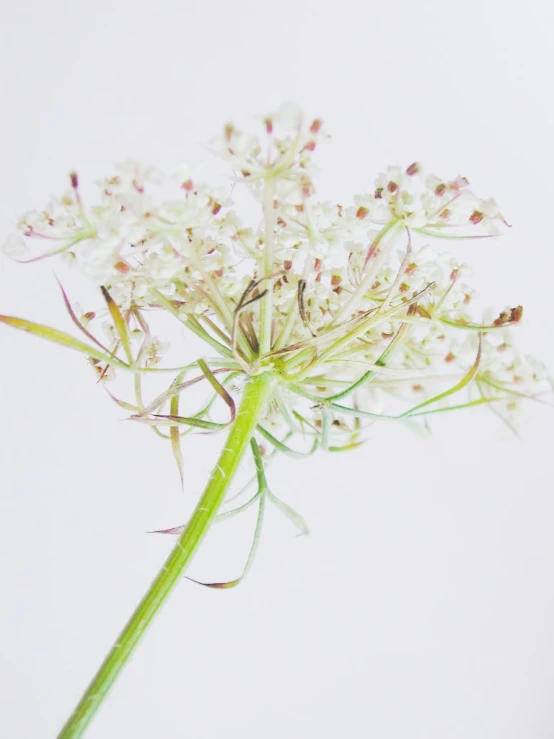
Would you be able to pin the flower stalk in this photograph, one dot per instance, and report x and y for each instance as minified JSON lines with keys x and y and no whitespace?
{"x":253,"y":405}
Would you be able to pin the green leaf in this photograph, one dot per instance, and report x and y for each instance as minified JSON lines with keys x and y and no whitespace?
{"x":382,"y":361}
{"x":218,"y":387}
{"x":458,"y":237}
{"x":168,"y":420}
{"x":362,"y":414}
{"x":474,"y":326}
{"x":119,"y":323}
{"x":176,"y":389}
{"x":461,"y":406}
{"x":173,"y":531}
{"x":346,"y":447}
{"x":174,"y":434}
{"x":469,"y":377}
{"x":325,"y":427}
{"x":191,"y":323}
{"x":299,"y":417}
{"x":123,"y":404}
{"x":262,"y":494}
{"x":283,"y":447}
{"x":509,"y":391}
{"x":263,"y":490}
{"x":82,"y":237}
{"x":77,"y":322}
{"x":290,"y":513}
{"x":239,"y":509}
{"x":61,"y":338}
{"x":258,"y":461}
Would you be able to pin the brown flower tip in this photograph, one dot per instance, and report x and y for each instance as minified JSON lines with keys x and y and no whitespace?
{"x":316,"y":126}
{"x":228,"y":131}
{"x":513,"y":315}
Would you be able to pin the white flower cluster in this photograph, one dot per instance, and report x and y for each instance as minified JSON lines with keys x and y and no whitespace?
{"x":337,"y":300}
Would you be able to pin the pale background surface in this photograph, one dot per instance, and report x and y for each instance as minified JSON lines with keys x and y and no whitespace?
{"x":422,"y":604}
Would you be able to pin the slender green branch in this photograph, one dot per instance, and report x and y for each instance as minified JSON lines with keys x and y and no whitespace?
{"x":226,"y":315}
{"x":350,"y":306}
{"x":192,"y":324}
{"x":382,"y":361}
{"x":266,"y":306}
{"x":252,"y":407}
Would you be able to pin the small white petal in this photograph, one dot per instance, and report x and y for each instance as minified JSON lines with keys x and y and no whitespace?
{"x":15,"y":246}
{"x":289,"y":116}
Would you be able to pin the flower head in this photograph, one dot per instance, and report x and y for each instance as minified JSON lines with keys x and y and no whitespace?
{"x":348,"y":306}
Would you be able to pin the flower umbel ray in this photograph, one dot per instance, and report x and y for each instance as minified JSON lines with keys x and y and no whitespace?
{"x":318,"y":320}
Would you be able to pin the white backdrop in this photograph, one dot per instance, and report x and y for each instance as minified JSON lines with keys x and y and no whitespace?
{"x":422,"y":603}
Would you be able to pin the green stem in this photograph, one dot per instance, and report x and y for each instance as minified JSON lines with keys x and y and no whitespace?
{"x":253,"y":404}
